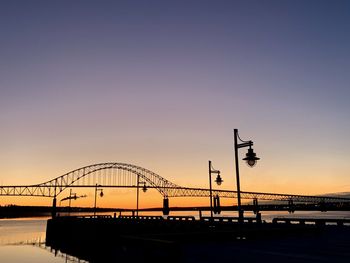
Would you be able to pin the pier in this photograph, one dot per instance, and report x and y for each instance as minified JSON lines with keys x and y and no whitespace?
{"x":170,"y":239}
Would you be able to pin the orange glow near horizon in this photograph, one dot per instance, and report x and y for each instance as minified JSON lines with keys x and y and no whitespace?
{"x":124,"y":199}
{"x":257,"y":179}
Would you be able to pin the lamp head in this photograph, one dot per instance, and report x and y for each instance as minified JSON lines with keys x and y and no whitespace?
{"x":251,"y":158}
{"x":144,"y":188}
{"x":218,"y":179}
{"x":101,"y":193}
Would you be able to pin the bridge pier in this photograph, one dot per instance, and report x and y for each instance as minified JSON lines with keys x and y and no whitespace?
{"x":255,"y":206}
{"x":54,"y":207}
{"x":217,"y":207}
{"x":256,"y":210}
{"x":166,"y":209}
{"x":291,"y":208}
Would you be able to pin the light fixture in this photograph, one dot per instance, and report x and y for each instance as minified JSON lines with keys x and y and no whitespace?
{"x":218,"y":179}
{"x":144,"y":188}
{"x":251,"y":158}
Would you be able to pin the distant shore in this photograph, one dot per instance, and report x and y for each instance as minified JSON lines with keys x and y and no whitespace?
{"x":14,"y":211}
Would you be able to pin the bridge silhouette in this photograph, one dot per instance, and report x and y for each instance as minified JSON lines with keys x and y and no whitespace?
{"x":104,"y":238}
{"x":123,"y":175}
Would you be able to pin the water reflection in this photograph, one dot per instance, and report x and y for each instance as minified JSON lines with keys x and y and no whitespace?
{"x":14,"y":231}
{"x":58,"y":253}
{"x":23,"y":241}
{"x":36,"y":252}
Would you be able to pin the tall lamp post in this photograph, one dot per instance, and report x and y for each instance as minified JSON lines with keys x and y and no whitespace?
{"x":101,"y":194}
{"x":218,"y":181}
{"x":251,"y":160}
{"x":71,"y":196}
{"x":144,"y":189}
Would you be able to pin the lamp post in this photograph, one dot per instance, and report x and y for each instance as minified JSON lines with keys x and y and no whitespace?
{"x":101,"y":194}
{"x":144,"y":189}
{"x":70,"y":197}
{"x":218,"y":181}
{"x":251,"y":160}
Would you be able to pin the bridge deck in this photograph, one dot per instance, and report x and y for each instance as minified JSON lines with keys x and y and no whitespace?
{"x":115,"y":175}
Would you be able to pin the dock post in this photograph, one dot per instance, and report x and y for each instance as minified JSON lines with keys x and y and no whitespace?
{"x":258,"y":218}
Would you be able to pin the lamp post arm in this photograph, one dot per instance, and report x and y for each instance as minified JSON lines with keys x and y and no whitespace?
{"x":244,"y":144}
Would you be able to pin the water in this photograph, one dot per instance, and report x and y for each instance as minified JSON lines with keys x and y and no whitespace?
{"x":23,"y":240}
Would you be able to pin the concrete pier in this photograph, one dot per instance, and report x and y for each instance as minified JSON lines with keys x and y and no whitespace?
{"x":184,"y":239}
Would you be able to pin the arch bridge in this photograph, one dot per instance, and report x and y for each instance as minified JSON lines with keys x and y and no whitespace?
{"x":123,"y":175}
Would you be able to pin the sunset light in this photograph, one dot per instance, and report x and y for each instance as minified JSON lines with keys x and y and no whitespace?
{"x":111,"y":111}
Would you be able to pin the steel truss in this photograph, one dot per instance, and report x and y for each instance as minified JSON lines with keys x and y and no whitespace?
{"x":127,"y":176}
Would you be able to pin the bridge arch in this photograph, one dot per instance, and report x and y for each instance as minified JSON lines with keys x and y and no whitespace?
{"x":109,"y":174}
{"x":115,"y":174}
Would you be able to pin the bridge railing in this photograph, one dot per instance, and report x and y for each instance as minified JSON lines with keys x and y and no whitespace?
{"x":229,"y":219}
{"x":141,"y":217}
{"x":181,"y":218}
{"x":312,"y":221}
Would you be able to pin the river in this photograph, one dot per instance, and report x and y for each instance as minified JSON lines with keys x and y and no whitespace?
{"x":23,"y":240}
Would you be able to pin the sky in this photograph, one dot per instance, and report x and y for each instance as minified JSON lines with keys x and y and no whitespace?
{"x":162,"y":85}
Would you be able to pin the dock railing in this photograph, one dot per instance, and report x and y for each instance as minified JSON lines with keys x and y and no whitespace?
{"x":312,"y":221}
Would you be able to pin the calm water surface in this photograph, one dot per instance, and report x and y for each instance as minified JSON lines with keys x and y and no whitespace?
{"x":23,"y":240}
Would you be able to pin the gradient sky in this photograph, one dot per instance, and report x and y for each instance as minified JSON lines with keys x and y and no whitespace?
{"x":162,"y":84}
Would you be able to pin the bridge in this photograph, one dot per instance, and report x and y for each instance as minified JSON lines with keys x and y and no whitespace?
{"x":123,"y":175}
{"x":106,"y":236}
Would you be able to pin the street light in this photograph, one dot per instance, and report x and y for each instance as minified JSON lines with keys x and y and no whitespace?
{"x":70,"y":197}
{"x":144,"y":189}
{"x":251,"y":160}
{"x":101,"y":194}
{"x":218,"y":181}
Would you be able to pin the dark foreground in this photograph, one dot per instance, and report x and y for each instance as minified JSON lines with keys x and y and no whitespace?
{"x":153,"y":239}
